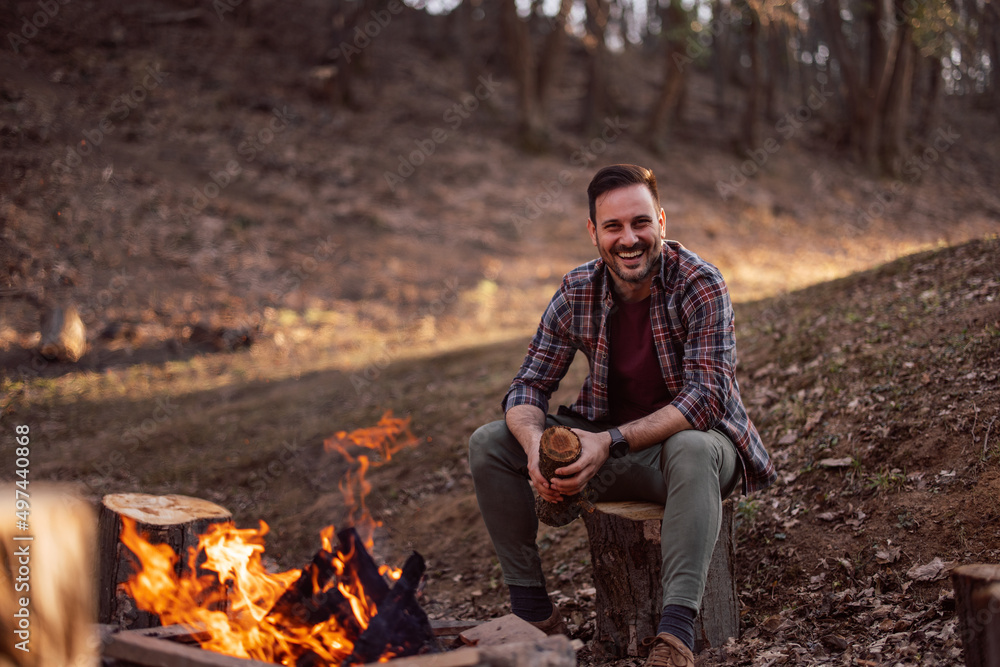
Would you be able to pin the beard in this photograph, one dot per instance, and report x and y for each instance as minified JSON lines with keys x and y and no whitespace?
{"x":636,"y":275}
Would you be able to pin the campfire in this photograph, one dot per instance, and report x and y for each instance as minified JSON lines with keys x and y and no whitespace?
{"x":340,"y":609}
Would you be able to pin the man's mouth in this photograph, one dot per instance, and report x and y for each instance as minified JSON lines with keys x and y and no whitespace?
{"x":631,"y":254}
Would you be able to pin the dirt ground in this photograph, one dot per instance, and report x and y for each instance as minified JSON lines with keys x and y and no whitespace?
{"x":170,"y":177}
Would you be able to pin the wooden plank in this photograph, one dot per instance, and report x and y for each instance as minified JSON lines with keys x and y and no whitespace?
{"x":178,"y":632}
{"x":444,"y":627}
{"x":636,"y":510}
{"x":138,"y":647}
{"x":555,"y":651}
{"x":507,"y":629}
{"x":463,"y":657}
{"x":153,"y":652}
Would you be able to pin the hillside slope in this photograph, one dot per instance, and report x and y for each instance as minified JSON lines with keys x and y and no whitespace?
{"x":878,"y":397}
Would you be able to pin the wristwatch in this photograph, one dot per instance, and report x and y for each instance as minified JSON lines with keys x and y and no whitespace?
{"x":619,"y":445}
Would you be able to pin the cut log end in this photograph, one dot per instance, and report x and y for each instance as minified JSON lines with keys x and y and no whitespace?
{"x":560,"y":444}
{"x":169,"y":510}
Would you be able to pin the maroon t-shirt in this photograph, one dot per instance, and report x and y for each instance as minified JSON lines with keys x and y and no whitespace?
{"x":635,"y":382}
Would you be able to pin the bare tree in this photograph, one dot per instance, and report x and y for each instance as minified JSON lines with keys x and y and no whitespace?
{"x":595,"y":102}
{"x":676,"y":65}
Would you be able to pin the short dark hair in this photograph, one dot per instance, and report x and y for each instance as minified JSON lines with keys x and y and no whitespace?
{"x":620,"y":176}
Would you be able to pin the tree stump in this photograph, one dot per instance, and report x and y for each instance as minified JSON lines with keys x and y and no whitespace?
{"x":174,"y":520}
{"x":625,"y":556}
{"x":977,"y":602}
{"x":559,"y":447}
{"x":64,"y":338}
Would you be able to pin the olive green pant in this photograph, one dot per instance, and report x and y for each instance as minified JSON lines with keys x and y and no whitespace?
{"x":690,"y":473}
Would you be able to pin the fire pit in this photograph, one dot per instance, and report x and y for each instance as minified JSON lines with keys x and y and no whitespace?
{"x":184,"y":564}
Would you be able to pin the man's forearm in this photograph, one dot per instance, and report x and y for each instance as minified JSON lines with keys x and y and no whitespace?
{"x":654,"y":428}
{"x":526,"y":423}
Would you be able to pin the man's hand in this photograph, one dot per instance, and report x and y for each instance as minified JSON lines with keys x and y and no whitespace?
{"x":541,"y":484}
{"x":594,"y":449}
{"x":526,"y":423}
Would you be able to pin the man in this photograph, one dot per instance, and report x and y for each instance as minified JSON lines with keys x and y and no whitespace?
{"x":659,"y":414}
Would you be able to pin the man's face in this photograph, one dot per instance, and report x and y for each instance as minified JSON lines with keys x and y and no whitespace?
{"x":629,"y":233}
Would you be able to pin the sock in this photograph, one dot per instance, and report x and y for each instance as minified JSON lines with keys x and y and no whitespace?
{"x":531,"y":603}
{"x":678,"y":621}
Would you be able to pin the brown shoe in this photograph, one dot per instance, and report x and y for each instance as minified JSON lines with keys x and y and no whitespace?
{"x":554,"y":624}
{"x":669,"y":651}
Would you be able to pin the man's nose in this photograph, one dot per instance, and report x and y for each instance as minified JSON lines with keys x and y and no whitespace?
{"x":629,"y":237}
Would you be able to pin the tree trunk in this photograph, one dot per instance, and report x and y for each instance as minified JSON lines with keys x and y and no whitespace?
{"x":720,"y":60}
{"x":552,"y":56}
{"x":928,"y":110}
{"x":777,"y":69}
{"x":463,"y":27}
{"x":849,"y":71}
{"x":977,"y":603}
{"x":675,"y":68}
{"x":885,"y":46}
{"x":349,"y":51}
{"x":895,"y":119}
{"x":992,"y":20}
{"x":749,"y":138}
{"x":531,"y":126}
{"x":595,"y":103}
{"x":175,"y":520}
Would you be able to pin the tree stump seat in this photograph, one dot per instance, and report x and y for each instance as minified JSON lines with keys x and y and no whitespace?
{"x":625,"y":556}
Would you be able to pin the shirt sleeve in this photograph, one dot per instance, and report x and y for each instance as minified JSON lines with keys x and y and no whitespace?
{"x":709,"y":351}
{"x":550,"y":354}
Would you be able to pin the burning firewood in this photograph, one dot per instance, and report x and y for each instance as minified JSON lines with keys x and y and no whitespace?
{"x":359,"y":566}
{"x":400,"y":627}
{"x":559,"y":448}
{"x":302,"y":605}
{"x":338,"y":609}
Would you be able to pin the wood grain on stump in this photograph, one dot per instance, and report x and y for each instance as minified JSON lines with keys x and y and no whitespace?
{"x":175,"y":520}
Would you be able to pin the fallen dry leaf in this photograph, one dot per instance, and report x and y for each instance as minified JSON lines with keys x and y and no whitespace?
{"x":932,"y":571}
{"x":887,"y":555}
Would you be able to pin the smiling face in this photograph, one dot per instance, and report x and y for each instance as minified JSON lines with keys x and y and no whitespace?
{"x":629,"y":232}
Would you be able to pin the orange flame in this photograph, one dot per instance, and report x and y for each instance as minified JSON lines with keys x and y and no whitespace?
{"x":226,"y":590}
{"x":386,"y":438}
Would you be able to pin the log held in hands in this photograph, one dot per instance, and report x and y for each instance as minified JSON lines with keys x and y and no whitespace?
{"x":559,"y":447}
{"x":977,"y":601}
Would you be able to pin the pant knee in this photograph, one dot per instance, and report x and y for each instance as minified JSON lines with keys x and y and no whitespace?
{"x":691,"y":454}
{"x":484,"y":446}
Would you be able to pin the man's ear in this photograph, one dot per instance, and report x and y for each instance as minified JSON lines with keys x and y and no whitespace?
{"x":592,"y":228}
{"x":663,"y":224}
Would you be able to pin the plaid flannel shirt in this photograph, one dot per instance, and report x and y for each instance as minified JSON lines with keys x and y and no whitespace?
{"x":694,"y":333}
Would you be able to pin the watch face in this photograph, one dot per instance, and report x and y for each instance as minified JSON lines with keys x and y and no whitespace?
{"x":619,"y":448}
